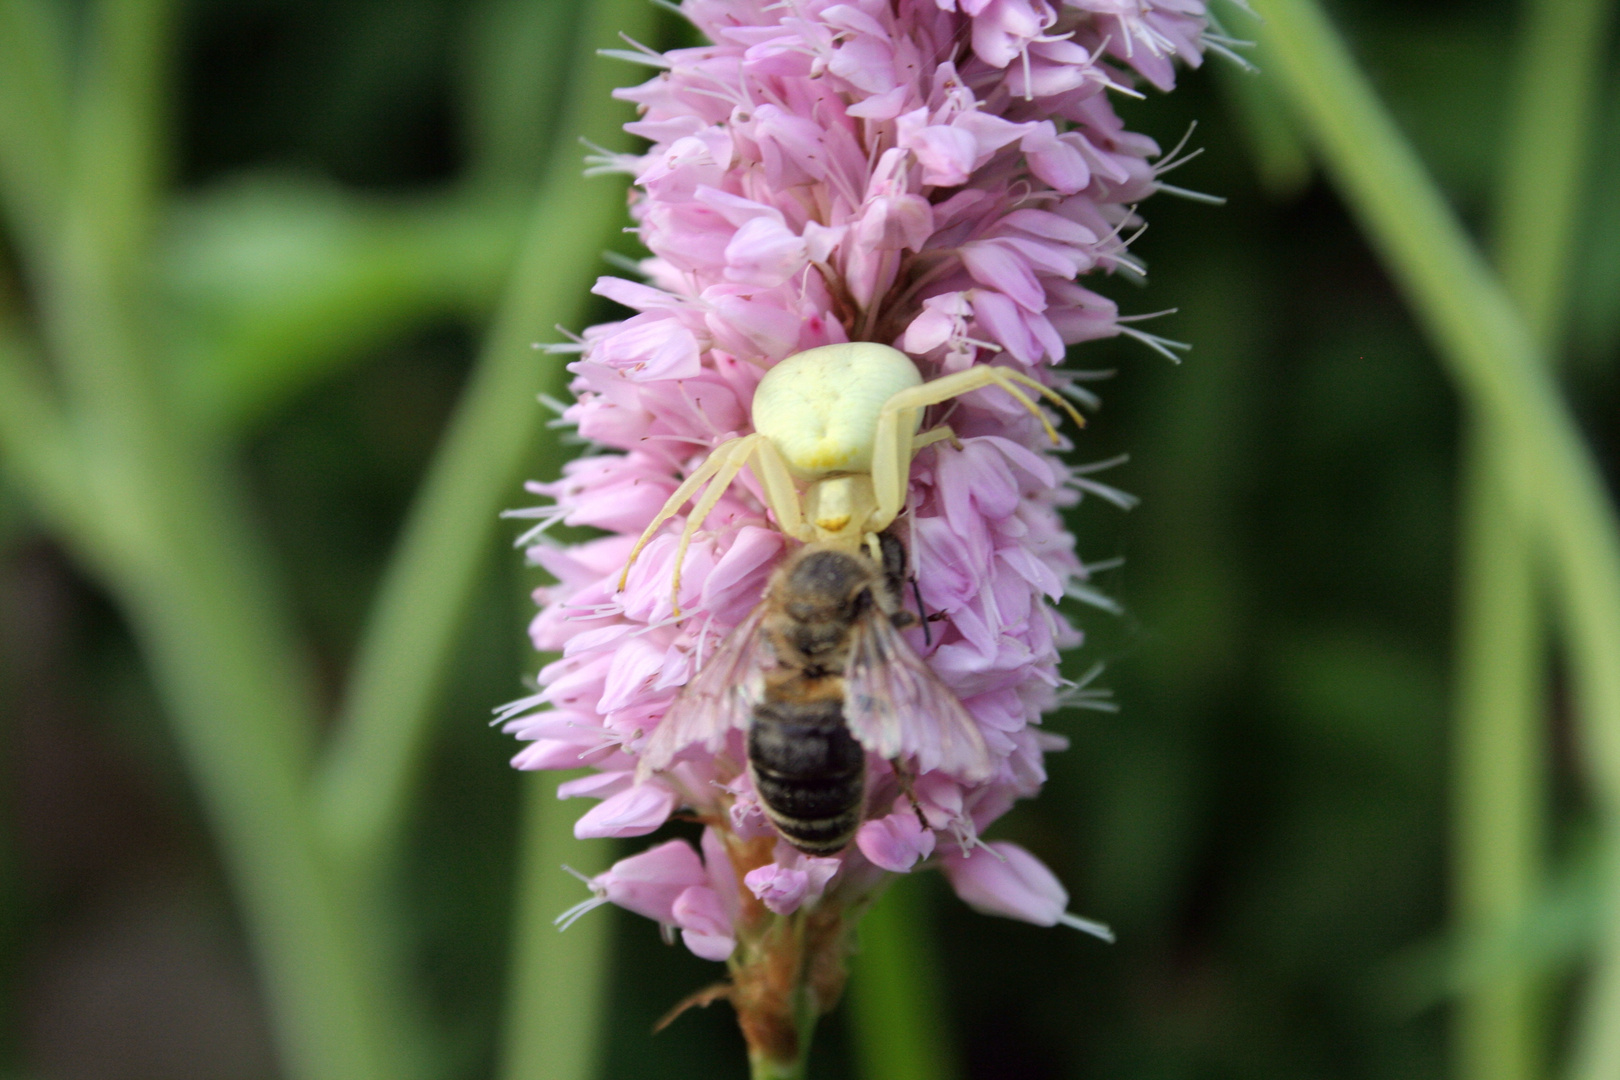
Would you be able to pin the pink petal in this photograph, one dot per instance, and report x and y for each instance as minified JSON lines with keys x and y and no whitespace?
{"x":780,"y":888}
{"x":599,"y":785}
{"x":635,"y":812}
{"x":651,"y":346}
{"x":1001,"y":267}
{"x":764,"y":252}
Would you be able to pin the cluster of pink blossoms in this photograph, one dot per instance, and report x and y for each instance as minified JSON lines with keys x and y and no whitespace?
{"x":931,"y":174}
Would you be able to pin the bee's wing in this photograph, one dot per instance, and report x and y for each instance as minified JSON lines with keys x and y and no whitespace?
{"x":896,"y":706}
{"x":718,"y":698}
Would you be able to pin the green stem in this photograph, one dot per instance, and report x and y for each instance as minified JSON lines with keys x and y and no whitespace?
{"x":187,"y":574}
{"x":37,"y":449}
{"x":558,"y":979}
{"x":1487,"y":349}
{"x":898,"y":1018}
{"x":33,"y":121}
{"x":171,"y":543}
{"x":1501,"y":679}
{"x":1557,"y":91}
{"x":761,"y":1067}
{"x":1501,"y":372}
{"x":492,"y":438}
{"x":239,"y":723}
{"x":1500,"y":761}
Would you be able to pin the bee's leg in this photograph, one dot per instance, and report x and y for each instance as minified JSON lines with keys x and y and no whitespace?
{"x":906,"y":778}
{"x":892,"y":560}
{"x":712,"y":464}
{"x":922,"y":613}
{"x":740,"y":451}
{"x":781,"y":493}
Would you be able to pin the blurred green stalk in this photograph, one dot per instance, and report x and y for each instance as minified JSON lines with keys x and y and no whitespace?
{"x":896,"y":1011}
{"x":1555,"y":487}
{"x":148,"y":502}
{"x":558,"y":982}
{"x":1501,"y":686}
{"x":156,"y":518}
{"x":1551,"y":128}
{"x":1499,"y":790}
{"x":497,"y":433}
{"x":34,"y":124}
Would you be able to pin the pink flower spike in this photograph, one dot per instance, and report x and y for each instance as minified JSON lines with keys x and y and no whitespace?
{"x":932,"y":175}
{"x":1004,"y":879}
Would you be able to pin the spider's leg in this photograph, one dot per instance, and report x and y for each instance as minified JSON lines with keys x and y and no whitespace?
{"x":711,"y":465}
{"x":892,"y":447}
{"x":975,"y":378}
{"x":781,"y":494}
{"x":740,"y":451}
{"x":1001,"y":378}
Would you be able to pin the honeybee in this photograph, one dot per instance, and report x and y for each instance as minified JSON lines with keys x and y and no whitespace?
{"x":818,"y":675}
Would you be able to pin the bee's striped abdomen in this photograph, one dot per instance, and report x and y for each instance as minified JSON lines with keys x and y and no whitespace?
{"x":809,"y":772}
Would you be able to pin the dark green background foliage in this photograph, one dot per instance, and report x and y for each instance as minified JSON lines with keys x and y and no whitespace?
{"x":1263,"y":822}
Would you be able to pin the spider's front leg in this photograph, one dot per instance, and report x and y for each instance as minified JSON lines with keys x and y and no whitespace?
{"x":895,"y":443}
{"x":721,"y":466}
{"x":781,"y":493}
{"x":718,"y":471}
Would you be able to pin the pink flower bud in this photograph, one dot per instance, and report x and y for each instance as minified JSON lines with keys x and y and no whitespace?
{"x":895,"y":842}
{"x":784,"y":885}
{"x":705,"y":926}
{"x":1004,"y":879}
{"x":649,"y":883}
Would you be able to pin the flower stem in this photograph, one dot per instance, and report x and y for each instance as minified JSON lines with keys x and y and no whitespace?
{"x":1558,"y":88}
{"x":1501,"y":687}
{"x":492,"y":438}
{"x":1498,"y":367}
{"x":37,"y":450}
{"x":762,"y":1067}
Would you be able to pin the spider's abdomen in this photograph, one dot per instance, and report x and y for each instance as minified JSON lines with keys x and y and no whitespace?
{"x":820,"y":407}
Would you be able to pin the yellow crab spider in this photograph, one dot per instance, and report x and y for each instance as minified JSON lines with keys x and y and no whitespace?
{"x":844,"y":421}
